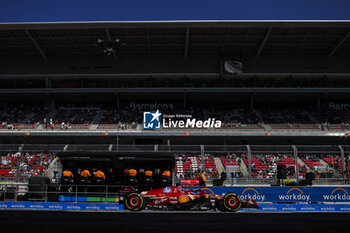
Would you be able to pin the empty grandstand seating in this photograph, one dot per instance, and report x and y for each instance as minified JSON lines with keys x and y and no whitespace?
{"x":337,"y":126}
{"x":241,"y":126}
{"x":209,"y":165}
{"x":117,"y":126}
{"x":312,"y":163}
{"x":295,"y":126}
{"x":334,"y":161}
{"x":188,"y":166}
{"x":229,"y":160}
{"x":265,"y":165}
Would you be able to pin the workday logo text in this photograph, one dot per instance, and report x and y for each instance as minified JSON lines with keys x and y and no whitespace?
{"x":338,"y":194}
{"x":250,"y":193}
{"x":294,"y":194}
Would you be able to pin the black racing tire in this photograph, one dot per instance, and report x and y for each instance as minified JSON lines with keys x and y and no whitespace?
{"x":219,"y":206}
{"x":134,"y":202}
{"x":231,"y":202}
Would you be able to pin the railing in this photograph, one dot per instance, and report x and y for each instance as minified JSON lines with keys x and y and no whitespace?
{"x":330,"y":181}
{"x":67,"y":193}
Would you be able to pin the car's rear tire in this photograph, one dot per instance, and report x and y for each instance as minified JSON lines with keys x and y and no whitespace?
{"x":231,"y":202}
{"x":134,"y":202}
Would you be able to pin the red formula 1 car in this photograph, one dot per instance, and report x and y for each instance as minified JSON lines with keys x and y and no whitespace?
{"x":177,"y":198}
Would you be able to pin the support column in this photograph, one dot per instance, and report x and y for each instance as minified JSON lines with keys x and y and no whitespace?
{"x":53,"y":104}
{"x":202,"y":157}
{"x":249,"y":153}
{"x":342,"y":153}
{"x":252,"y":101}
{"x":296,"y":162}
{"x":47,"y":82}
{"x":118,"y":101}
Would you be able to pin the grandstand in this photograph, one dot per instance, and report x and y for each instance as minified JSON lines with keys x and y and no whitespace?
{"x":60,"y":91}
{"x":251,"y":164}
{"x":24,"y":165}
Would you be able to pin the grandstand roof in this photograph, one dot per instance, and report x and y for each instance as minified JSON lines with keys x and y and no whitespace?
{"x":185,"y":38}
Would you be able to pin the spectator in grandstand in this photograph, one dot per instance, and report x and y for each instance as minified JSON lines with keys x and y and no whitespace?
{"x":63,"y":125}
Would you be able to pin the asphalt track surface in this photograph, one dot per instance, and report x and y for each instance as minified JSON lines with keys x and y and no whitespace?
{"x":125,"y":222}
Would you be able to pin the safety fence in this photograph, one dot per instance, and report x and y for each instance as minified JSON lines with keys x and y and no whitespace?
{"x":63,"y":193}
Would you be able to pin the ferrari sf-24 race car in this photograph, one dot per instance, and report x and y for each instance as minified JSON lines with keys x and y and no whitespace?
{"x":178,"y":198}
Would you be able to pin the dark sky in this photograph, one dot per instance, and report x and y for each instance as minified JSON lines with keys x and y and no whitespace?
{"x":136,"y":10}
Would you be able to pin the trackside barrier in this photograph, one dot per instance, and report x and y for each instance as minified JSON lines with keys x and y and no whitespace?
{"x":301,"y":208}
{"x":61,"y":206}
{"x":286,"y":194}
{"x":117,"y":207}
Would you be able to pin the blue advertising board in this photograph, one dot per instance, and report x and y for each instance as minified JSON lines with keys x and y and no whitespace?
{"x":155,"y":10}
{"x":61,"y":206}
{"x":287,"y":194}
{"x":301,"y":208}
{"x":116,"y":207}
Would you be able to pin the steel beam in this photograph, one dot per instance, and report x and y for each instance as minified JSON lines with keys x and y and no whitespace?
{"x":339,"y":44}
{"x":187,"y":41}
{"x":263,"y":42}
{"x":36,"y":44}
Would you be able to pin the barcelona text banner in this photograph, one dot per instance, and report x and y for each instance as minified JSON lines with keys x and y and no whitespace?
{"x":287,"y":194}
